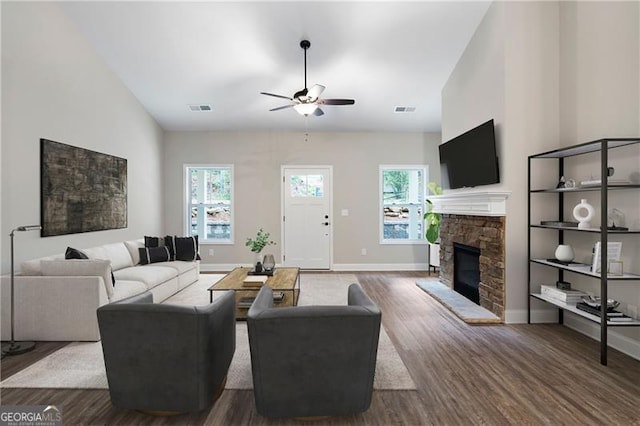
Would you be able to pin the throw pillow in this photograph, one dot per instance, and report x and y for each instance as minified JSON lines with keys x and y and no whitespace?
{"x":183,"y":248}
{"x":153,"y":241}
{"x":73,"y":253}
{"x":153,"y":255}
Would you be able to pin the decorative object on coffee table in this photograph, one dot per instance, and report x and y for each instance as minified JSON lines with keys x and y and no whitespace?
{"x":13,"y":347}
{"x":268,"y":263}
{"x":257,"y":244}
{"x":584,"y":218}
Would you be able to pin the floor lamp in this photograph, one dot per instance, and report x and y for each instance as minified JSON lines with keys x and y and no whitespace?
{"x":13,"y":347}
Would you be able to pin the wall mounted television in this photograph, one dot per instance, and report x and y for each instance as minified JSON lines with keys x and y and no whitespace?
{"x":470,"y":159}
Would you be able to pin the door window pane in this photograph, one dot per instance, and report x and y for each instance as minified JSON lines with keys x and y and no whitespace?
{"x":306,"y":186}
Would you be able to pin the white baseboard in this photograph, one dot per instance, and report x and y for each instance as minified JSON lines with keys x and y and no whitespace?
{"x":337,"y":267}
{"x":222,"y":267}
{"x":615,"y":339}
{"x":353,"y":267}
{"x":519,"y":316}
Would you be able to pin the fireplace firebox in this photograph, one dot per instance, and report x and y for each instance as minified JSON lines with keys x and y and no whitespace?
{"x":466,"y":271}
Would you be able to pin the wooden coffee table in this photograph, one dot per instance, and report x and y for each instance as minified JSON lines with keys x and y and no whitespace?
{"x":286,"y":280}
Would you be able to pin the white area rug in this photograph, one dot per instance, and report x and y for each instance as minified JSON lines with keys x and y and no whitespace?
{"x":464,"y":308}
{"x":81,"y":365}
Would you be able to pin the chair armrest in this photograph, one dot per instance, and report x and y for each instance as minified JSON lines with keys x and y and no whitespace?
{"x":217,"y":337}
{"x":146,"y":297}
{"x":357,"y":297}
{"x":264,"y":301}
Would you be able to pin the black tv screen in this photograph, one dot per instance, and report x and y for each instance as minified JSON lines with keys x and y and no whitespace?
{"x":470,"y":159}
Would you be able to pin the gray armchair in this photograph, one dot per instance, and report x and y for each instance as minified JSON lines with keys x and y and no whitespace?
{"x":167,"y":359}
{"x":310,"y":361}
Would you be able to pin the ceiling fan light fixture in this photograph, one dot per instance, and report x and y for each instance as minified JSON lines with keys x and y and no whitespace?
{"x":307,"y":102}
{"x":305,"y":109}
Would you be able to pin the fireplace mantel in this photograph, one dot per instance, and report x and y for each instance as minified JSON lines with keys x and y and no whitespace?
{"x":493,"y":203}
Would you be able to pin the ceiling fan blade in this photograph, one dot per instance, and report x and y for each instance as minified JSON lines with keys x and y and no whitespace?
{"x":318,"y":112}
{"x":277,"y":96}
{"x":315,"y":92}
{"x":282,"y":107}
{"x":336,"y":101}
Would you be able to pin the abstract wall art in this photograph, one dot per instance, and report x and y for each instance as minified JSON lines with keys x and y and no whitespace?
{"x":80,"y":190}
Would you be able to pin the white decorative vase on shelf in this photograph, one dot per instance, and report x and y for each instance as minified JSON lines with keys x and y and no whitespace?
{"x":583,"y":213}
{"x":565,"y":253}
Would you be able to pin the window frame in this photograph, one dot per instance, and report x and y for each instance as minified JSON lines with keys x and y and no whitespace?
{"x":425,"y":173}
{"x":187,"y":206}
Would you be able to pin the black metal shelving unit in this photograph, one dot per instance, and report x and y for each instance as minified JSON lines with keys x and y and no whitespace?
{"x":602,"y":146}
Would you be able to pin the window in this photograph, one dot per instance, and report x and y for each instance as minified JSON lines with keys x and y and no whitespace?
{"x":402,"y":204}
{"x":209,"y":203}
{"x":307,"y":186}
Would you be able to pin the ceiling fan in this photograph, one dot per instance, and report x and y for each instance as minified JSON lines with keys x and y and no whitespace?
{"x":307,"y":101}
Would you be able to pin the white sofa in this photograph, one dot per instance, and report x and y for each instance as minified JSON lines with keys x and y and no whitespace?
{"x":57,"y":299}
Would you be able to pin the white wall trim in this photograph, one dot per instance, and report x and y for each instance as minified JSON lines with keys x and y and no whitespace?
{"x":222,"y":267}
{"x":483,"y":203}
{"x":340,"y":267}
{"x":615,"y":340}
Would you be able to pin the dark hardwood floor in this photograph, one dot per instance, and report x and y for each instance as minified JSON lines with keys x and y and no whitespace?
{"x":466,"y":375}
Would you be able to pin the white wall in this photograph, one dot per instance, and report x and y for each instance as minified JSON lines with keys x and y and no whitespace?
{"x":54,"y":86}
{"x":600,"y":97}
{"x":570,"y":75}
{"x":257,"y":159}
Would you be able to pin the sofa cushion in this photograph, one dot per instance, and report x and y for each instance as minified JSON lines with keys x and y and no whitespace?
{"x":150,"y":275}
{"x":153,"y":255}
{"x":73,"y":253}
{"x":80,"y":268}
{"x":96,"y":253}
{"x":126,"y":288}
{"x":33,"y":267}
{"x":119,"y":256}
{"x":181,"y":266}
{"x":133,"y":247}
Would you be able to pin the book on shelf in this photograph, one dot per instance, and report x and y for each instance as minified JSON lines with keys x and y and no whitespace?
{"x":567,"y":296}
{"x":622,"y":318}
{"x":278,"y":296}
{"x":246,"y":302}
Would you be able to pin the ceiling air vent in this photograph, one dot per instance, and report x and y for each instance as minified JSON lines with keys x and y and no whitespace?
{"x":405,"y":109}
{"x":199,"y":107}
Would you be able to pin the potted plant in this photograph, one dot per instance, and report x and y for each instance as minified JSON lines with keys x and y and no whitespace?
{"x":432,"y":219}
{"x":258,"y":243}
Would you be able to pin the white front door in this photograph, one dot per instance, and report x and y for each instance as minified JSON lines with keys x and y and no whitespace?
{"x":307,"y":221}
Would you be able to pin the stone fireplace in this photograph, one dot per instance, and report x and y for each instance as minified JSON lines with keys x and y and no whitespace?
{"x":475,"y":220}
